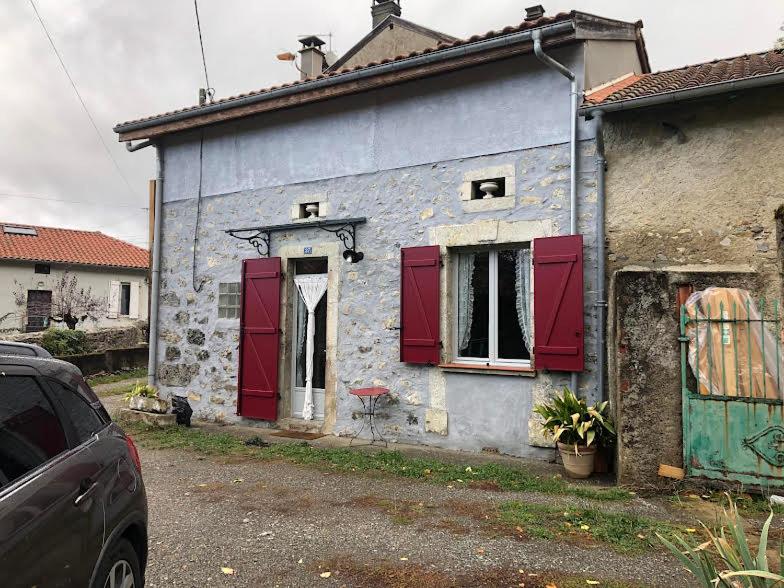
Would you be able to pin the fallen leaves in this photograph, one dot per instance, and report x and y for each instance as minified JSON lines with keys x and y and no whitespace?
{"x":228,"y":571}
{"x":325,"y":574}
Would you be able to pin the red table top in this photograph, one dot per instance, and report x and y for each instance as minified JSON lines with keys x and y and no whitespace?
{"x":377,"y":391}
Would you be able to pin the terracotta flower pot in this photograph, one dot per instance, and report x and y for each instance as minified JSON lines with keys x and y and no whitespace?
{"x":578,"y":464}
{"x":144,"y":404}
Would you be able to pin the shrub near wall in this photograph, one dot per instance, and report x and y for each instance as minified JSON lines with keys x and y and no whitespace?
{"x":60,"y":342}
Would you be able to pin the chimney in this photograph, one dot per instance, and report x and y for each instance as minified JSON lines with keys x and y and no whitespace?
{"x":311,"y":57}
{"x":381,"y":9}
{"x":534,"y":12}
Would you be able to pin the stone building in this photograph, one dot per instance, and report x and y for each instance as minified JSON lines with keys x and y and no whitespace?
{"x":415,"y":191}
{"x":694,"y":193}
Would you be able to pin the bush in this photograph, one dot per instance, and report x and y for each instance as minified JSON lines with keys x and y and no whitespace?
{"x":61,"y":342}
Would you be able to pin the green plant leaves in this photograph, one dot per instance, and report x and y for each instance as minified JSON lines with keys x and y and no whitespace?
{"x":570,"y":420}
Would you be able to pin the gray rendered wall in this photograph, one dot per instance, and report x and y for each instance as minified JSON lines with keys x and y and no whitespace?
{"x":399,"y":159}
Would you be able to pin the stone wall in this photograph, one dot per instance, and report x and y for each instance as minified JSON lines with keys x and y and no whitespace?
{"x":645,"y":368}
{"x":101,"y":339}
{"x":405,"y":207}
{"x":698,"y":184}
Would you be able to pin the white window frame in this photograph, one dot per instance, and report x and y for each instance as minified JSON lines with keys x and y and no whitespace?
{"x":120,"y":301}
{"x":492,"y":343}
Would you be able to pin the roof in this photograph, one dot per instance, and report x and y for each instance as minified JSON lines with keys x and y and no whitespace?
{"x":216,"y":111}
{"x":671,"y":82}
{"x":382,"y":26}
{"x":68,"y":246}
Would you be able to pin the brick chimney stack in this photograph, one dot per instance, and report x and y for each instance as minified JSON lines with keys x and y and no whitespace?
{"x":312,"y":58}
{"x":382,"y":9}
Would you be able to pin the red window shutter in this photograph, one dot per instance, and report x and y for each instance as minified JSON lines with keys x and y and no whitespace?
{"x":420,"y":298}
{"x":558,"y":303}
{"x":259,"y":339}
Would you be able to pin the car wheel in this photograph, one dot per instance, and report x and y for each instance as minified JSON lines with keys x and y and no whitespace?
{"x":119,"y":568}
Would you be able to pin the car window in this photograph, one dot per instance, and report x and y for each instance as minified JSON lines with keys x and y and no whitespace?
{"x":30,"y":432}
{"x":85,"y":420}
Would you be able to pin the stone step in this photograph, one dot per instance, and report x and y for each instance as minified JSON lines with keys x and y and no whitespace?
{"x":300,"y":425}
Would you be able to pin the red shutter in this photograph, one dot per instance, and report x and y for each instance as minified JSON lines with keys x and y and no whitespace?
{"x":420,"y":297}
{"x":259,"y":339}
{"x":558,"y":303}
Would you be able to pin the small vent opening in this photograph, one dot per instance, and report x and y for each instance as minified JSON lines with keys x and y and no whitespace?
{"x":488,"y":188}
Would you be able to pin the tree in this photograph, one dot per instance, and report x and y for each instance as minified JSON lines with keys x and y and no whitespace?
{"x":780,"y":41}
{"x":71,"y":304}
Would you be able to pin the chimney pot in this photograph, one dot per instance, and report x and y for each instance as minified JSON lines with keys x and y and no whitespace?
{"x":312,"y":58}
{"x":381,"y":9}
{"x":534,"y":12}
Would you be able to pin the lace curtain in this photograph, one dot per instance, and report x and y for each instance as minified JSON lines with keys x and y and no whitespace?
{"x":311,"y":288}
{"x":302,"y":316}
{"x":465,"y":298}
{"x":523,"y":287}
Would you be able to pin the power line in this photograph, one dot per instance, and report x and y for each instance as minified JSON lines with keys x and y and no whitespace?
{"x":81,"y":100}
{"x":209,"y":89}
{"x":32,"y":197}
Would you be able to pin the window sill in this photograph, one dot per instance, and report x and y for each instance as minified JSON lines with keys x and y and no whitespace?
{"x":496,"y":370}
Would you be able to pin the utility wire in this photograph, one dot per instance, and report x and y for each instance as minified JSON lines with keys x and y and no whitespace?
{"x":210,"y":90}
{"x":104,"y":204}
{"x":79,"y":96}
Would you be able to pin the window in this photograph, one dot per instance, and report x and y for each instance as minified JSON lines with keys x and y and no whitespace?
{"x":494,"y":307}
{"x":125,"y":299}
{"x":12,"y":230}
{"x":82,"y":416}
{"x":229,"y":300}
{"x":42,"y":268}
{"x":30,"y":432}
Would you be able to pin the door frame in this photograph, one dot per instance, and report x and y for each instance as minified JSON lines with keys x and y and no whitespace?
{"x":289,"y":254}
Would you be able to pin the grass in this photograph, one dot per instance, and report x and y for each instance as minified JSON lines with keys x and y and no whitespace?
{"x":117,"y":376}
{"x":387,"y":462}
{"x":751,"y":506}
{"x":626,"y":533}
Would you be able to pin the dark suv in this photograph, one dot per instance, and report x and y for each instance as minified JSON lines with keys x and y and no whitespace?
{"x":73,"y":511}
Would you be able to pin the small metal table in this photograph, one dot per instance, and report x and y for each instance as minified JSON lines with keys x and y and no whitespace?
{"x":369,"y":398}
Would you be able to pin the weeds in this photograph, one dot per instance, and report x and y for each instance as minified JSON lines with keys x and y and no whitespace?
{"x":388,"y":462}
{"x":117,"y":376}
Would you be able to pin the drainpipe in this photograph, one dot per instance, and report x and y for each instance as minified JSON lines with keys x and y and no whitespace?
{"x":601,"y":303}
{"x":152,"y":359}
{"x":536,"y":36}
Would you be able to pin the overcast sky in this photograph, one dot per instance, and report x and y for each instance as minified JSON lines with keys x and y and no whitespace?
{"x":141,"y":57}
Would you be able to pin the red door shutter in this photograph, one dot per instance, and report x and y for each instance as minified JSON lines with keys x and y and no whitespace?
{"x":558,"y":303}
{"x":420,"y":298}
{"x":259,"y":339}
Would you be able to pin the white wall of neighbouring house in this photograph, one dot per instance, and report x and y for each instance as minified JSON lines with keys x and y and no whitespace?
{"x":105,"y":284}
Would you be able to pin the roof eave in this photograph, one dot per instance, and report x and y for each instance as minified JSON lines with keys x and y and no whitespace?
{"x":677,"y":96}
{"x":219,"y":112}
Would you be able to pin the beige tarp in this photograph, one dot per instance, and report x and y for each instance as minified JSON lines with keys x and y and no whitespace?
{"x":731,"y":353}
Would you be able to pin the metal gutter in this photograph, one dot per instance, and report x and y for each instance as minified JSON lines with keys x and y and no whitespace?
{"x":152,"y":362}
{"x":674,"y":96}
{"x":601,"y":303}
{"x":367,"y":72}
{"x":573,"y":95}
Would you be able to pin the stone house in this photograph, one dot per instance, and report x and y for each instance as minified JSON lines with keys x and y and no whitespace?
{"x":33,"y":261}
{"x":694,"y":191}
{"x":431,"y":195}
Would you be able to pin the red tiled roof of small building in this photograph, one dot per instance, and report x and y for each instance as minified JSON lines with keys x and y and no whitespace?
{"x":70,"y":247}
{"x":690,"y":76}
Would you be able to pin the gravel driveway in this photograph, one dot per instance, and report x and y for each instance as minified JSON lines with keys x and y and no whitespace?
{"x":277,"y":524}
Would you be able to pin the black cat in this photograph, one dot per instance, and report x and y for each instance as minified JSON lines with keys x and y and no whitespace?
{"x":182,"y":409}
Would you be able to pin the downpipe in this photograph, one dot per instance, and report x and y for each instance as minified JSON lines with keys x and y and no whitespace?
{"x":601,"y":303}
{"x":536,"y":36}
{"x":155,"y":273}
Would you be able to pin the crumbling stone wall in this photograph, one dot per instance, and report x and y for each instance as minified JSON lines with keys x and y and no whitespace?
{"x":698,"y":184}
{"x":644,"y":370}
{"x":102,"y":339}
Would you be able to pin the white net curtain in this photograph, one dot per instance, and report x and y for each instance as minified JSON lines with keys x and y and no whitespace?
{"x":311,"y":288}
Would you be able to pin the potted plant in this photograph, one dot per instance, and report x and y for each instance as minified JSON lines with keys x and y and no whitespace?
{"x":576,"y":427}
{"x":145,"y":398}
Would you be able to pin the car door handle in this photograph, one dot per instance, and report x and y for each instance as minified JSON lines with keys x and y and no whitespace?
{"x":87,"y":486}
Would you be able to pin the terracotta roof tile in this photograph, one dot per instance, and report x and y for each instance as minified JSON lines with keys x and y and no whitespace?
{"x":70,"y":246}
{"x":690,"y":76}
{"x":524,"y":26}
